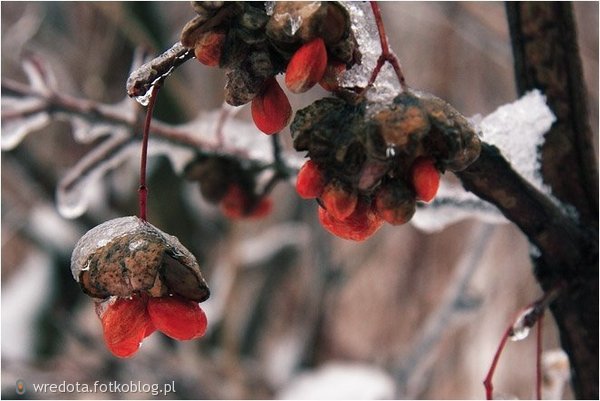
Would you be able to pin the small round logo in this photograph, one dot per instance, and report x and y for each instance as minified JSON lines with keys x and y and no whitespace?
{"x":20,"y":387}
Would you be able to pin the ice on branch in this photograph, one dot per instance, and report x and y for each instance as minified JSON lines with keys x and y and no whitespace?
{"x":386,"y":87}
{"x":518,"y":130}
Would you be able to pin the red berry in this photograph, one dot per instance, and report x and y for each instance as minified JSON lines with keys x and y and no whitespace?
{"x":271,"y":109}
{"x":425,"y":178}
{"x":262,"y":209}
{"x":209,"y":47}
{"x":125,"y":324}
{"x":307,"y":66}
{"x":334,"y":69}
{"x":339,"y":203}
{"x":236,"y":204}
{"x":177,"y":317}
{"x":394,"y":205}
{"x":310,"y":181}
{"x":359,"y":226}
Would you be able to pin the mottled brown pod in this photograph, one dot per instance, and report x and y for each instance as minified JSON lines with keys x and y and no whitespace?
{"x":127,"y":255}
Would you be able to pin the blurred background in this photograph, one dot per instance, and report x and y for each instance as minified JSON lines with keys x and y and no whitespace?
{"x":294,"y":312}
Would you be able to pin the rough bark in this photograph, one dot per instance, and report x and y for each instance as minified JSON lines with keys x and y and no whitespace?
{"x":546,"y":57}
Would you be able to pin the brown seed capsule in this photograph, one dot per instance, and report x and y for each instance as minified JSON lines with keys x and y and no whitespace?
{"x":127,"y":255}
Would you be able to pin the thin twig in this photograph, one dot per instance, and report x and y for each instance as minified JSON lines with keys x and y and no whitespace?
{"x":438,"y":322}
{"x":534,"y":313}
{"x":143,"y":189}
{"x":141,"y":80}
{"x":538,"y":358}
{"x":386,"y":53}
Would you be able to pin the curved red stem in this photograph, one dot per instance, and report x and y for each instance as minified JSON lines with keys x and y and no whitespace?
{"x":143,"y":189}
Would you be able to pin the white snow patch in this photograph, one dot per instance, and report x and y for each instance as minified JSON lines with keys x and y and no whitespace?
{"x":340,"y":381}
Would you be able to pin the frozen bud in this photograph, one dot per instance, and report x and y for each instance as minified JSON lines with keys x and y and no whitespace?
{"x":425,"y":178}
{"x":340,"y":202}
{"x":307,"y":66}
{"x":271,"y":109}
{"x":359,"y":226}
{"x":127,"y":255}
{"x":209,"y":47}
{"x":395,"y":203}
{"x":310,"y":181}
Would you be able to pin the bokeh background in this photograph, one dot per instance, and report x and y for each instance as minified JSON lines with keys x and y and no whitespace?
{"x":295,"y":312}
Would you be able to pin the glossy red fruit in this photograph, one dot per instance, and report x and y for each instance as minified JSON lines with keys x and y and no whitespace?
{"x":209,"y":47}
{"x":307,"y":66}
{"x":177,"y":317}
{"x":310,"y":181}
{"x":271,"y":109}
{"x":394,"y":205}
{"x":236,"y":204}
{"x":125,"y":324}
{"x":338,"y":201}
{"x":359,"y":226}
{"x":425,"y":178}
{"x":334,"y":69}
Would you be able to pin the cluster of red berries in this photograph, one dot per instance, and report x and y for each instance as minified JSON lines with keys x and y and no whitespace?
{"x":371,"y":165}
{"x":126,"y":322}
{"x":142,"y":280}
{"x":224,"y":182}
{"x":310,"y":41}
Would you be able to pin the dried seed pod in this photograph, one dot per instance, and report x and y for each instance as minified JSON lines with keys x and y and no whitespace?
{"x":451,"y":140}
{"x":127,"y":255}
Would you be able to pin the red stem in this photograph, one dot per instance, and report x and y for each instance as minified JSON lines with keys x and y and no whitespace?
{"x":489,"y":387}
{"x":143,"y":189}
{"x":538,"y":359}
{"x":386,"y":54}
